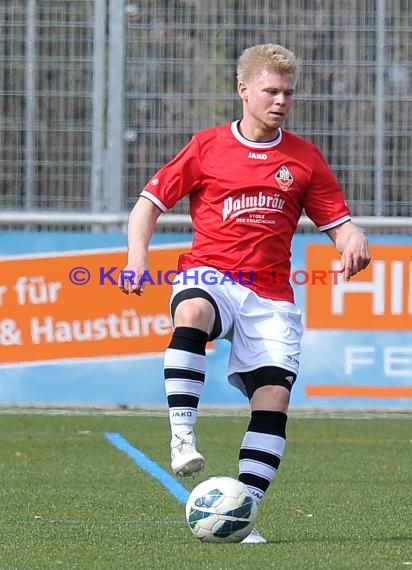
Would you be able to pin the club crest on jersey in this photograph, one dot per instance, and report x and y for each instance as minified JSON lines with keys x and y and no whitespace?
{"x":284,"y":178}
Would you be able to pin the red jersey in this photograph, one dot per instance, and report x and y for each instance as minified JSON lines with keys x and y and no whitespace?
{"x":246,"y":199}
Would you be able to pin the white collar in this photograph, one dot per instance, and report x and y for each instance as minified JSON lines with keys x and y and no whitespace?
{"x":254,"y":144}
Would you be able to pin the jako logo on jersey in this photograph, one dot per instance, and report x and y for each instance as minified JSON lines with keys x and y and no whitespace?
{"x":283,"y":177}
{"x":260,"y":202}
{"x":258,"y":155}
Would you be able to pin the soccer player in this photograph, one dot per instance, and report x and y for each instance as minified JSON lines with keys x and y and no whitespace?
{"x":248,"y":183}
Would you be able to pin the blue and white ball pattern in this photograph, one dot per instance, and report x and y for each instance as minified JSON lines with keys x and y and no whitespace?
{"x":221,"y":509}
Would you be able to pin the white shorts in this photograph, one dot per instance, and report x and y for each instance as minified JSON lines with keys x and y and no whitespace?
{"x":262,"y":332}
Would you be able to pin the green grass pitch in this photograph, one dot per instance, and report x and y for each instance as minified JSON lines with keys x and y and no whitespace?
{"x":70,"y":500}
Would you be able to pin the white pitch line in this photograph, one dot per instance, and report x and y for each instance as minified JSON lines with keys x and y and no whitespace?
{"x":74,"y":522}
{"x":207,"y":411}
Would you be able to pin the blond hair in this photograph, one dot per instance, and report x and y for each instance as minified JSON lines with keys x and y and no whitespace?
{"x":271,"y":57}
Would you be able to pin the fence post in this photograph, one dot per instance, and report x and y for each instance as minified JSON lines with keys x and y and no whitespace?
{"x":30,"y":114}
{"x":115,"y":118}
{"x":99,"y":61}
{"x":379,"y":162}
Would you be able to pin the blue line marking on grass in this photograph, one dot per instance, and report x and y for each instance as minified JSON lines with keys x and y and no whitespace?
{"x":169,"y":482}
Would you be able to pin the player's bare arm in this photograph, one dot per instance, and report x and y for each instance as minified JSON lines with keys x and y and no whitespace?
{"x":352,"y":243}
{"x":141,"y":226}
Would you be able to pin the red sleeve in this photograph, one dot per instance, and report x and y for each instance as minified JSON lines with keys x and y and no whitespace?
{"x":176,"y":179}
{"x":324,"y":201}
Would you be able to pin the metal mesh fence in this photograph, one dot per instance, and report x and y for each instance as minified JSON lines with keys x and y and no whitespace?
{"x":181,"y":63}
{"x":46,"y":78}
{"x":354,"y":94}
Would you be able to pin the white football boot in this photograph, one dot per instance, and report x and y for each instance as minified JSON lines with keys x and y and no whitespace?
{"x":186,"y":461}
{"x":254,"y":538}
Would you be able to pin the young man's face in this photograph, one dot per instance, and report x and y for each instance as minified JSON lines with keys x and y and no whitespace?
{"x":267,"y":99}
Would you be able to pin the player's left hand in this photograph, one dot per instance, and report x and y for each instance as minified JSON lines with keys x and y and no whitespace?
{"x":355,"y":255}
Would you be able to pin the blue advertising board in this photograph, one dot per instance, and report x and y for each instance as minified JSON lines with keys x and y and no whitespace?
{"x":356,"y":350}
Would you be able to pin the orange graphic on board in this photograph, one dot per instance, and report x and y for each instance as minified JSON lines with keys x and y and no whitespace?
{"x":345,"y":391}
{"x":377,"y":299}
{"x":44,"y":316}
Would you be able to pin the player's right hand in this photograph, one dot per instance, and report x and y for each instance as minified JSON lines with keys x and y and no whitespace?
{"x":131,"y":279}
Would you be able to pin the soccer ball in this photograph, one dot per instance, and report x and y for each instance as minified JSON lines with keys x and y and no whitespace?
{"x":221,"y":509}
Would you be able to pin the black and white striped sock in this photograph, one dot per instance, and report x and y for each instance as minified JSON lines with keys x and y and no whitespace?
{"x":261,"y":450}
{"x":184,"y":372}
